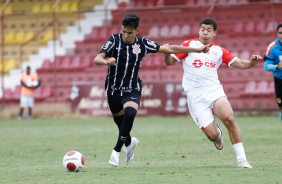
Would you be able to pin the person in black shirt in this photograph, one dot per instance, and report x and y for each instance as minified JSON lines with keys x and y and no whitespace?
{"x":125,"y":52}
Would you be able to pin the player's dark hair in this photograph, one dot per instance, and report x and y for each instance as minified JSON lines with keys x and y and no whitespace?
{"x":209,"y":21}
{"x":280,"y":25}
{"x":131,"y":21}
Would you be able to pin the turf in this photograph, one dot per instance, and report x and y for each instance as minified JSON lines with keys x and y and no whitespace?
{"x":171,"y":150}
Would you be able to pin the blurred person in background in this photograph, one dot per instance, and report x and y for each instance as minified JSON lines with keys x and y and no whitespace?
{"x":205,"y":94}
{"x":273,"y":63}
{"x":125,"y":51}
{"x":29,"y":82}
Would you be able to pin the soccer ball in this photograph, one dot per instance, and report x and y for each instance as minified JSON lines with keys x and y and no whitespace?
{"x":73,"y":161}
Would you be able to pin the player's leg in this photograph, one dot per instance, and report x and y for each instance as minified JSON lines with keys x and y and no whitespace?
{"x":23,"y":104}
{"x":202,"y":114}
{"x":278,"y":92}
{"x":30,"y":104}
{"x":116,"y":108}
{"x":224,"y":112}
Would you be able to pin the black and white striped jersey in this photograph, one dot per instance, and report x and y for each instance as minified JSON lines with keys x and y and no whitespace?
{"x":124,"y":76}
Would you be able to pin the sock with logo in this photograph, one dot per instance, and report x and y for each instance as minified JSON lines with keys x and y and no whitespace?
{"x":126,"y":126}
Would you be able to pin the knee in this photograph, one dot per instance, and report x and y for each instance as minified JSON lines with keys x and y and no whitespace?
{"x":229,"y":121}
{"x":213,"y":136}
{"x":130,"y":112}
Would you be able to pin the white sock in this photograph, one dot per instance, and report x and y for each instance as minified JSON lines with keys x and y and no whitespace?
{"x":240,"y":152}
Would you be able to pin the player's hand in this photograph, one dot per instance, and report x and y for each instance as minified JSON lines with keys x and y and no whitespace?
{"x":111,"y":61}
{"x":255,"y":59}
{"x":203,"y":49}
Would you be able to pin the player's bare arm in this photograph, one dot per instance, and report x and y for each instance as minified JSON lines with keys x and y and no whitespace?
{"x":177,"y":49}
{"x":100,"y":59}
{"x":245,"y":64}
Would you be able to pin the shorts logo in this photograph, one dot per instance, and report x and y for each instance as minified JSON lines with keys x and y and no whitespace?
{"x":134,"y":98}
{"x":136,"y":48}
{"x":278,"y":100}
{"x":197,"y":63}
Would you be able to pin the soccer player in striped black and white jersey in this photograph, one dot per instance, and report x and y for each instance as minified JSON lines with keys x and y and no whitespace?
{"x":205,"y":94}
{"x":125,"y":52}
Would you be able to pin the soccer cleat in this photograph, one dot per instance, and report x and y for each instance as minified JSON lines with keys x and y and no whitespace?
{"x":219,"y":143}
{"x":244,"y":164}
{"x":129,"y":150}
{"x":114,"y":160}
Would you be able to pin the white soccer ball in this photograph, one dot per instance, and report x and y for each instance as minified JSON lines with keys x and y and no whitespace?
{"x":73,"y":161}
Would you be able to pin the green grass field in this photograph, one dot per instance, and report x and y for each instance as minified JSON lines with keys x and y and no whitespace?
{"x":171,"y":150}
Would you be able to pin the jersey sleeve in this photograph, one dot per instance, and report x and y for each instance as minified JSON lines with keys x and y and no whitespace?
{"x":151,"y":46}
{"x":181,"y":56}
{"x":269,"y":55}
{"x":227,"y":57}
{"x":108,"y":46}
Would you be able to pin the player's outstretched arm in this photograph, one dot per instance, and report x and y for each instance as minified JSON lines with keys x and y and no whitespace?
{"x":245,"y":64}
{"x":100,"y":60}
{"x":176,"y":49}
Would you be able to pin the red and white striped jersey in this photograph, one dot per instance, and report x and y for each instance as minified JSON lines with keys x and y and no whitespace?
{"x":200,"y":69}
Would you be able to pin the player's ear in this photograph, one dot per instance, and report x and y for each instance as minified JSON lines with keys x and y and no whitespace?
{"x":215,"y":33}
{"x":137,"y":30}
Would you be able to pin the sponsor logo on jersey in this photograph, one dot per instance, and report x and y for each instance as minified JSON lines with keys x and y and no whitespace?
{"x":197,"y":63}
{"x":136,"y":48}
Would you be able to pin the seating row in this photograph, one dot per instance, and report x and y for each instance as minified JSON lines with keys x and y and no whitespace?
{"x":40,"y":93}
{"x":66,"y":63}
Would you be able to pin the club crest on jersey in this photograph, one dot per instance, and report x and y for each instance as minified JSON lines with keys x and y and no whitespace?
{"x":136,"y":49}
{"x":107,"y":44}
{"x":278,"y":100}
{"x":197,"y":63}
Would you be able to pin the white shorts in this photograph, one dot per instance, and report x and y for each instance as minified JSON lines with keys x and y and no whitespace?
{"x":27,"y":101}
{"x":200,"y":104}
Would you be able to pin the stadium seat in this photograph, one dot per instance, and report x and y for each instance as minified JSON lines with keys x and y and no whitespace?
{"x":260,"y":27}
{"x":17,"y":93}
{"x":64,"y":63}
{"x":37,"y":93}
{"x":28,"y":36}
{"x":164,"y":32}
{"x":10,"y":64}
{"x":175,"y":31}
{"x":195,"y":31}
{"x":46,"y":7}
{"x":47,"y":36}
{"x":153,"y":33}
{"x":36,"y":8}
{"x":8,"y":94}
{"x":46,"y":66}
{"x":185,"y":31}
{"x":245,"y":55}
{"x":74,"y":6}
{"x":76,"y":63}
{"x":237,"y":29}
{"x":249,"y":28}
{"x":271,"y":28}
{"x":250,"y":89}
{"x":262,"y":88}
{"x":86,"y":61}
{"x":47,"y":92}
{"x":10,"y":38}
{"x":19,"y":38}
